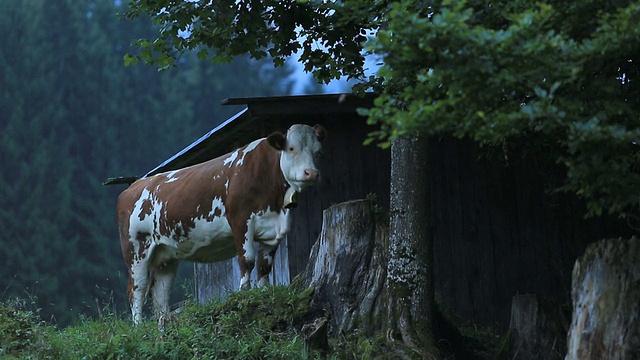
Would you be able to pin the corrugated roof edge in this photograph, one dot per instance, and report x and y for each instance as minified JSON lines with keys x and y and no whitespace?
{"x":338,"y":98}
{"x":248,"y":100}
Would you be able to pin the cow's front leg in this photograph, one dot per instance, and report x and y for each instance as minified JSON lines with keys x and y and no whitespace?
{"x":265,"y":264}
{"x":164,"y":276}
{"x":246,"y":253}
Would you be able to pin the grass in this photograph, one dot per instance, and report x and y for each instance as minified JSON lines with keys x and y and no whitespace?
{"x":255,"y":324}
{"x":260,"y":323}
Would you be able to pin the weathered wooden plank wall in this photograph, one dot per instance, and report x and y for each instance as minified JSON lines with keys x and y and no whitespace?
{"x":498,"y":233}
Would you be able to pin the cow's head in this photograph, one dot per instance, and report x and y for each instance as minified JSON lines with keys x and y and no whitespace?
{"x":299,"y":153}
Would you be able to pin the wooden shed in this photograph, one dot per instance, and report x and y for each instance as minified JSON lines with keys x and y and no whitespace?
{"x":497,"y":232}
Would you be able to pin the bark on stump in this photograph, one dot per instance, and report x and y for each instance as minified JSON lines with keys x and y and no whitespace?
{"x":538,"y":329}
{"x":347,"y":267}
{"x":606,"y":302}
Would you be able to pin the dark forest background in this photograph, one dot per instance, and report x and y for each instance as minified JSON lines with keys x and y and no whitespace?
{"x":72,"y":115}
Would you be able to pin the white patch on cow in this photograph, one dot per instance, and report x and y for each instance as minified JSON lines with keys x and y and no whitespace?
{"x":150,"y":221}
{"x":209,"y":240}
{"x":218,"y":204}
{"x":171,"y":176}
{"x":272,"y":227}
{"x":245,"y":281}
{"x":249,"y":245}
{"x":229,"y":161}
{"x":226,"y":186}
{"x":248,"y":149}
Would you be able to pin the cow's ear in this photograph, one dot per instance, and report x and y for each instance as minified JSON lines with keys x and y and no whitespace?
{"x":277,"y":141}
{"x":321,"y":133}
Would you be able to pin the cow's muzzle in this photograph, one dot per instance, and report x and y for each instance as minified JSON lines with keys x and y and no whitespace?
{"x":311,"y":175}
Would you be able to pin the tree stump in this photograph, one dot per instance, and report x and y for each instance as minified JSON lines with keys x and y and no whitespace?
{"x":538,"y":329}
{"x":606,"y":302}
{"x":347,"y":267}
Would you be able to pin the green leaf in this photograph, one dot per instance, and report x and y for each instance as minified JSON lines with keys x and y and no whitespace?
{"x":203,"y":54}
{"x":540,"y":92}
{"x":130,"y":59}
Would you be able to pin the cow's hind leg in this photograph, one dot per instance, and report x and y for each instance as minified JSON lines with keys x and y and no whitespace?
{"x":265,"y":264}
{"x":138,"y":280}
{"x":164,"y":275}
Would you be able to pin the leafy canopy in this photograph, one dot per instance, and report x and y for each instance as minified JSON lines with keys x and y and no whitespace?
{"x":329,"y":36}
{"x":561,"y":76}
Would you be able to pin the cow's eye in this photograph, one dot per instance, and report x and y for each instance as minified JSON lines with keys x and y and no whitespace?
{"x":291,"y":148}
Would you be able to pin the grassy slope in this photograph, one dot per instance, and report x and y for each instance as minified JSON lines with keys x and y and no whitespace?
{"x":260,"y":323}
{"x":255,"y":324}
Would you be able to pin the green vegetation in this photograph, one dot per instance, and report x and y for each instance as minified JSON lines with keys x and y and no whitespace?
{"x":256,"y":324}
{"x":552,"y":77}
{"x":262,"y":323}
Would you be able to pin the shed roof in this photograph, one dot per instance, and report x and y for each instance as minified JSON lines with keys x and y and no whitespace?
{"x":241,"y":127}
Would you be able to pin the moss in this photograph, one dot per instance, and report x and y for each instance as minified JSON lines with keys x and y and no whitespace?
{"x":360,"y":346}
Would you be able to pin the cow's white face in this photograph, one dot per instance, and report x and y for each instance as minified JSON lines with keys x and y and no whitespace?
{"x":299,"y":154}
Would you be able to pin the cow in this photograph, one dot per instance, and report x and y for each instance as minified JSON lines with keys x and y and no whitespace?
{"x":237,"y":204}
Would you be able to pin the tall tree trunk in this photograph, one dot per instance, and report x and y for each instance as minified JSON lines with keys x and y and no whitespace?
{"x":409,"y":273}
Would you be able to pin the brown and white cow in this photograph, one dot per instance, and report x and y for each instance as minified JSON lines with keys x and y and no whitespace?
{"x":234,"y":204}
